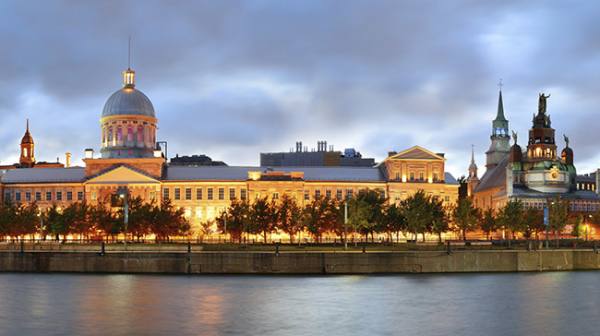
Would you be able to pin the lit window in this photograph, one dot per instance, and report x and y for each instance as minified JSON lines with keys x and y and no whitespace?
{"x":221,"y":193}
{"x":188,"y":193}
{"x":199,"y":193}
{"x":231,"y":193}
{"x":243,"y":194}
{"x":209,"y":194}
{"x":275,"y":195}
{"x":306,"y":195}
{"x":166,"y":193}
{"x":177,"y":194}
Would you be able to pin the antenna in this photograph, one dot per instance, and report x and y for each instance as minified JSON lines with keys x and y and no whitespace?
{"x":129,"y":53}
{"x":500,"y":85}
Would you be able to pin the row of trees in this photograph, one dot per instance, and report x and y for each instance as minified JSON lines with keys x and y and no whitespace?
{"x":367,"y":214}
{"x":93,"y":221}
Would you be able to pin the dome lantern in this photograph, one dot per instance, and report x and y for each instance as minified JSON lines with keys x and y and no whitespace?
{"x":129,"y":78}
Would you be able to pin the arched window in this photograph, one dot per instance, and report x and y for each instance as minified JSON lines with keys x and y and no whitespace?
{"x":110,"y":134}
{"x":129,"y":134}
{"x":119,"y":134}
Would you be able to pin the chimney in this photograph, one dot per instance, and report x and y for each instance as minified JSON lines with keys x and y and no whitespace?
{"x":392,"y":153}
{"x":67,"y":159}
{"x":89,"y":153}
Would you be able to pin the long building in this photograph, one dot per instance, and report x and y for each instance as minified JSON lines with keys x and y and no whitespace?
{"x":130,"y":157}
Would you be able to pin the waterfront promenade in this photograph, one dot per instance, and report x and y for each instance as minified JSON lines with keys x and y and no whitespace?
{"x":288,"y":259}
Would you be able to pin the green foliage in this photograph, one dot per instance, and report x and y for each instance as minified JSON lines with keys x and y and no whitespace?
{"x":488,"y":222}
{"x":465,"y":216}
{"x":236,"y":218}
{"x":511,"y":217}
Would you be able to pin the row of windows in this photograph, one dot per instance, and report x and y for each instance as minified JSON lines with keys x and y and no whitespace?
{"x":39,"y":196}
{"x":210,"y":195}
{"x":586,"y":186}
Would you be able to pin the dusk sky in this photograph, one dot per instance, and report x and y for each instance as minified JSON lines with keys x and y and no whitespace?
{"x":231,"y":79}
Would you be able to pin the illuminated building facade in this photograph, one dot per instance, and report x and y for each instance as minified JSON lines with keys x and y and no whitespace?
{"x":130,"y":157}
{"x":533,"y":175}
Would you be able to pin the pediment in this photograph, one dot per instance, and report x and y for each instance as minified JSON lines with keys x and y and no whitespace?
{"x":416,"y":153}
{"x":121,"y":175}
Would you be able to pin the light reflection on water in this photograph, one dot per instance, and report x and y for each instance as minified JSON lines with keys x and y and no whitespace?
{"x":451,"y":304}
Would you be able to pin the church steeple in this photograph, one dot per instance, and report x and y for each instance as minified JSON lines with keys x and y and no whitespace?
{"x":473,"y":166}
{"x":500,"y":146}
{"x":27,"y":159}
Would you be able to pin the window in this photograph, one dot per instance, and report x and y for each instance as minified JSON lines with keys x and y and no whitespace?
{"x":188,"y":194}
{"x":153,"y":195}
{"x":209,"y":194}
{"x":349,"y":193}
{"x":243,"y":194}
{"x":80,"y":195}
{"x":38,"y":196}
{"x":18,"y":196}
{"x":28,"y":196}
{"x":7,"y":195}
{"x":221,"y":193}
{"x":231,"y":193}
{"x":59,"y":195}
{"x":412,"y":176}
{"x":198,"y":193}
{"x":275,"y":195}
{"x":328,"y":193}
{"x":306,"y":195}
{"x":165,"y":193}
{"x":436,"y":177}
{"x":94,"y":196}
{"x":69,"y":195}
{"x":198,"y":212}
{"x":48,"y":196}
{"x":447,"y":198}
{"x":421,"y":176}
{"x":177,"y":194}
{"x":338,"y":194}
{"x":317,"y":193}
{"x":397,"y":176}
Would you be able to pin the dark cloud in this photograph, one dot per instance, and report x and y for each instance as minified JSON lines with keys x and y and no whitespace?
{"x":233,"y":78}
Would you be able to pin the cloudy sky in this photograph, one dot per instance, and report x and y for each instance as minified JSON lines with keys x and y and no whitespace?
{"x":233,"y":78}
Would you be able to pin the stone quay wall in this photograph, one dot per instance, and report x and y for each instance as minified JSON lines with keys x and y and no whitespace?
{"x":300,"y":262}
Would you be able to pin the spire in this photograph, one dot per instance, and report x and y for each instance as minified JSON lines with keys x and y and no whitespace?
{"x":500,"y":113}
{"x":27,"y":127}
{"x":472,"y":166}
{"x":472,"y":154}
{"x":129,"y":74}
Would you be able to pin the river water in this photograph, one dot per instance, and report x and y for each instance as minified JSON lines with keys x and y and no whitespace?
{"x":452,"y":304}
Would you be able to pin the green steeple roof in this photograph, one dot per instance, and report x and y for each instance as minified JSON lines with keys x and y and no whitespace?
{"x":500,"y":114}
{"x":500,"y":124}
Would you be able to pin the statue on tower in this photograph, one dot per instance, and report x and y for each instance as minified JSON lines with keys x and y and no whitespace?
{"x":514,"y":136}
{"x":542,"y":103}
{"x":566,"y":140}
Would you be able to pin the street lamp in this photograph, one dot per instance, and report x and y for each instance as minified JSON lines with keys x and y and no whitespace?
{"x":123,"y":193}
{"x":346,"y":225}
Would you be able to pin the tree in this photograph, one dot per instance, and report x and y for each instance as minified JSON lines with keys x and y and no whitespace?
{"x":511,"y":216}
{"x":263,"y":217}
{"x":168,"y":221}
{"x":465,"y":216}
{"x":533,"y":220}
{"x":417,"y":212}
{"x":558,"y":214}
{"x":289,"y":217}
{"x":394,"y":220}
{"x":320,"y":216}
{"x":439,"y":217}
{"x":488,"y":222}
{"x":236,"y":217}
{"x":104,"y":220}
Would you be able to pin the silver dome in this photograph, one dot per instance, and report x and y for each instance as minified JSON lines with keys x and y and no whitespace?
{"x":130,"y":101}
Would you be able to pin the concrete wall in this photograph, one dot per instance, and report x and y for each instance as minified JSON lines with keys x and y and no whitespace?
{"x":299,"y":263}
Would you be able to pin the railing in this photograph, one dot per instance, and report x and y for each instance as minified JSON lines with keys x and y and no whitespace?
{"x":327,"y":245}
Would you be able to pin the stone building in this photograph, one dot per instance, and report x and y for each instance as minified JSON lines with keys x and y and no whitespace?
{"x":533,"y":175}
{"x":129,"y":157}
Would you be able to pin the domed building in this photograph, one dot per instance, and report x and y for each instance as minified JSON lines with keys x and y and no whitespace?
{"x":128,"y":122}
{"x":534,"y":174}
